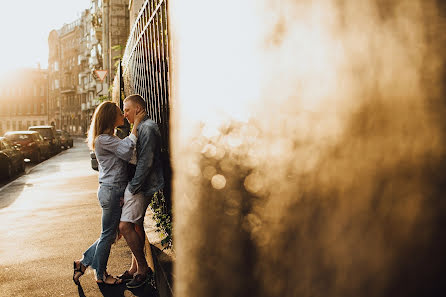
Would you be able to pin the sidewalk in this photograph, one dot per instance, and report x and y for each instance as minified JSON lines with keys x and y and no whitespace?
{"x":163,"y":259}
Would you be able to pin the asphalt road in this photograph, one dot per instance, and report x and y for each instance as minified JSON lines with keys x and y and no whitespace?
{"x":48,"y":217}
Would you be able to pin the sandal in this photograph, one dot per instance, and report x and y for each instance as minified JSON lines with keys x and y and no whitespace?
{"x":78,"y":269}
{"x":126,"y":276}
{"x":138,"y":281}
{"x":117,"y":281}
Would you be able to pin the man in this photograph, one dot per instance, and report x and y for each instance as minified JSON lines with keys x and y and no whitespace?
{"x":147,"y":181}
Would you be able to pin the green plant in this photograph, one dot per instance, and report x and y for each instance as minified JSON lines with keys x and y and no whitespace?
{"x":163,"y":218}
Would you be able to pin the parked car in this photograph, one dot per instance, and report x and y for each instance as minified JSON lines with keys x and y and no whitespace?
{"x":32,"y":144}
{"x":11,"y":158}
{"x":65,"y":139}
{"x":49,"y":134}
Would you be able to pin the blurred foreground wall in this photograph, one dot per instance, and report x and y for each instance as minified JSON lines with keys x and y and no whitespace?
{"x":309,"y":147}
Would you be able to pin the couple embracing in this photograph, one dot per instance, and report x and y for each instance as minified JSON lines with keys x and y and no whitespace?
{"x":123,"y":201}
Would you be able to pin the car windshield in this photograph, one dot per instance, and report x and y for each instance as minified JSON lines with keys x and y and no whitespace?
{"x":45,"y":132}
{"x":17,"y":137}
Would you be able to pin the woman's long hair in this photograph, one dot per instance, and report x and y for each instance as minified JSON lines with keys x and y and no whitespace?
{"x":103,"y":121}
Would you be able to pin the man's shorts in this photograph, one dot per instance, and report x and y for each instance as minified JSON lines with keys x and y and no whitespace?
{"x":134,"y":208}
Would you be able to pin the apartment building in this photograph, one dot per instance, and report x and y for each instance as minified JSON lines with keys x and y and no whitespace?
{"x":23,"y":99}
{"x":76,"y":51}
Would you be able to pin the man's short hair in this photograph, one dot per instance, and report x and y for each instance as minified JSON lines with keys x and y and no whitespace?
{"x":136,"y":99}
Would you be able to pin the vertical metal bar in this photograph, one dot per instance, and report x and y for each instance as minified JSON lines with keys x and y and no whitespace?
{"x":138,"y":61}
{"x":163,"y":67}
{"x":147,"y":72}
{"x":148,"y":66}
{"x":148,"y":69}
{"x":167,"y":73}
{"x":152,"y":59}
{"x":155,"y":61}
{"x":156,"y":20}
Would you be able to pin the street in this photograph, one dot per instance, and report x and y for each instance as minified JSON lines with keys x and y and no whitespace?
{"x":48,"y":217}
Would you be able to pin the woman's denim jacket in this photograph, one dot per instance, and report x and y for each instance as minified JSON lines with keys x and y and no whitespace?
{"x":148,"y":177}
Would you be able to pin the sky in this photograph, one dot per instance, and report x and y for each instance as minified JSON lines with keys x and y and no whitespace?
{"x":24,"y":29}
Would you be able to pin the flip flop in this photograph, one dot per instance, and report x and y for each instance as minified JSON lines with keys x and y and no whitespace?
{"x":77,"y":269}
{"x":117,"y":281}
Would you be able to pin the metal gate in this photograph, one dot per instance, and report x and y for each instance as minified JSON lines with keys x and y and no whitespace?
{"x":144,"y":70}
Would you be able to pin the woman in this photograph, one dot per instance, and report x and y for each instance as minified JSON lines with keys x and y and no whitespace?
{"x":113,"y":155}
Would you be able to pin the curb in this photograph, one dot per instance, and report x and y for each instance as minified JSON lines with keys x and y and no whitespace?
{"x":162,"y":259}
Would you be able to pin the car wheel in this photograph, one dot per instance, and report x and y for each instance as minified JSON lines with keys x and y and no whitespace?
{"x":37,"y":157}
{"x":9,"y":170}
{"x":22,"y":166}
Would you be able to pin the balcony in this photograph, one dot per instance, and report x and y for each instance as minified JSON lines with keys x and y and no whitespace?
{"x":92,"y":86}
{"x":98,"y":33}
{"x":68,"y":89}
{"x":81,"y":89}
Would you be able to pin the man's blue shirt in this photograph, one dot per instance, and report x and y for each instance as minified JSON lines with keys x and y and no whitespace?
{"x":148,"y":177}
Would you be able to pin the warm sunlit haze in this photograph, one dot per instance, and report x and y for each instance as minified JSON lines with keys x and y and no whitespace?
{"x":25,"y":25}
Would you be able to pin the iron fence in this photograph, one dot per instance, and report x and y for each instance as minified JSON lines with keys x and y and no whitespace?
{"x":145,"y":64}
{"x":144,"y":70}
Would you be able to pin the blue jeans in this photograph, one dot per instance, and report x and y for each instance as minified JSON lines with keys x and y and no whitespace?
{"x":97,"y":254}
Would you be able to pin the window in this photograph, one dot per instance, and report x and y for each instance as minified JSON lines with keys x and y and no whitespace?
{"x":34,"y":90}
{"x":56,"y":66}
{"x":29,"y":108}
{"x":42,"y":91}
{"x":35,"y":108}
{"x":42,"y":108}
{"x":56,"y":83}
{"x":6,"y":145}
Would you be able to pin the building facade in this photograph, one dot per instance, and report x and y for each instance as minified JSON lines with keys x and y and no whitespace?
{"x":116,"y":27}
{"x":23,"y":100}
{"x":134,"y":9}
{"x":76,"y":51}
{"x":64,"y":68}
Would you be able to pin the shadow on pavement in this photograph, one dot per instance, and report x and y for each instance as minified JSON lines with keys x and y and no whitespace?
{"x":10,"y":193}
{"x":81,"y":291}
{"x":118,"y":291}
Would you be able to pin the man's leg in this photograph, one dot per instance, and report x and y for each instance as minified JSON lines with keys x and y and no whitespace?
{"x":142,"y":235}
{"x":136,"y":245}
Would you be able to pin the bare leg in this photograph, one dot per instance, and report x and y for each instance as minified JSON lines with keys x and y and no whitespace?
{"x":133,"y":266}
{"x":136,"y":245}
{"x":142,"y":235}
